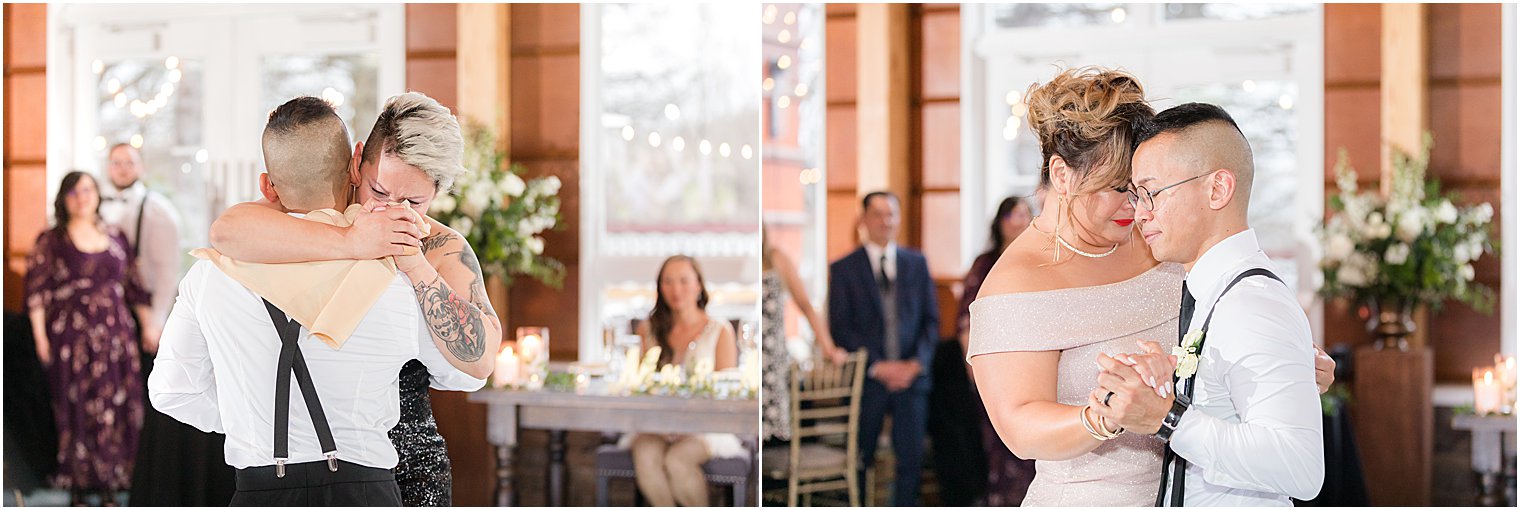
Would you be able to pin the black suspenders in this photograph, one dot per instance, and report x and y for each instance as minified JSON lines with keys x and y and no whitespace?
{"x":291,"y":360}
{"x":1186,"y":392}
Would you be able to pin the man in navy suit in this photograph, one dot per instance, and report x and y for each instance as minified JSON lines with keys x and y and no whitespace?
{"x":881,"y":298}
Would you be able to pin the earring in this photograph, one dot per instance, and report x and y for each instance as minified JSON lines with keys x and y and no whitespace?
{"x":1060,"y":204}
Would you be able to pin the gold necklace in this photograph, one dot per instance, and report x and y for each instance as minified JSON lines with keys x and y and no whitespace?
{"x":1073,"y":248}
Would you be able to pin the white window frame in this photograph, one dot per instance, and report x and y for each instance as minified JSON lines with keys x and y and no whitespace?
{"x":629,"y":261}
{"x":1145,"y":33}
{"x":229,"y":41}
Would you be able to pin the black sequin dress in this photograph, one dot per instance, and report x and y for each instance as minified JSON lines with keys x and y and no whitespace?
{"x":423,"y":471}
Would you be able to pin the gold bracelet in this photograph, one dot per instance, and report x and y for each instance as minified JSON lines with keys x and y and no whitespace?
{"x":1103,"y":426}
{"x":1091,"y":428}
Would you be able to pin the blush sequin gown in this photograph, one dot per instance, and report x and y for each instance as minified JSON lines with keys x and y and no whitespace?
{"x":1080,"y":323}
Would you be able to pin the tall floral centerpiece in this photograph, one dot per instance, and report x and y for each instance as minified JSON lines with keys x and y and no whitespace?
{"x":502,"y":215}
{"x":1412,"y":247}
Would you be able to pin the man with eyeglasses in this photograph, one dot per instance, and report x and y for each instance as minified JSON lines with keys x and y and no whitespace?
{"x":1243,"y":427}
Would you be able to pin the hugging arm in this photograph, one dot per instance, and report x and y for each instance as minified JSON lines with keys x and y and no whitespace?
{"x":1019,"y":392}
{"x":450,"y":287}
{"x":244,"y":230}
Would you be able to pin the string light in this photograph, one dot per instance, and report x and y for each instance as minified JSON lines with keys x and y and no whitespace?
{"x":202,"y":155}
{"x":769,"y":16}
{"x":113,"y":86}
{"x":783,"y":102}
{"x":1014,"y":97}
{"x":628,"y":133}
{"x":705,"y":147}
{"x":175,"y":75}
{"x":1118,"y":15}
{"x":785,"y":36}
{"x":98,"y":67}
{"x":171,"y":63}
{"x":100,"y":143}
{"x":790,"y":18}
{"x":806,"y":44}
{"x":724,"y":150}
{"x":654,"y":139}
{"x":136,"y":141}
{"x":1248,"y":85}
{"x":332,"y":97}
{"x":784,"y":62}
{"x":672,"y":112}
{"x":678,"y":143}
{"x":120,"y":99}
{"x":768,"y":84}
{"x":747,"y":151}
{"x":801,"y":90}
{"x":1286,"y":102}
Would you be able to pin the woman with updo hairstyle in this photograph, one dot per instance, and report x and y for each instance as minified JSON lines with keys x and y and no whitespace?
{"x":1076,"y":283}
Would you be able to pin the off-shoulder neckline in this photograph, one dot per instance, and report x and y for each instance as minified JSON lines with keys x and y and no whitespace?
{"x":1125,"y":281}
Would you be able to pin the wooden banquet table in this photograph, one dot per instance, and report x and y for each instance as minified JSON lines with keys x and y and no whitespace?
{"x":558,"y":411}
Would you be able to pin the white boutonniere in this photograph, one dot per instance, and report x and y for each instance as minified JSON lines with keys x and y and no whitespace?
{"x":1187,"y":354}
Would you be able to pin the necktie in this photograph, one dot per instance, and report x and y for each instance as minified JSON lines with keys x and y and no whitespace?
{"x":890,"y":344}
{"x":1186,"y":318}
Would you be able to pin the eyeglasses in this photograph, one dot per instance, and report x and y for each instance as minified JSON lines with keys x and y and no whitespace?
{"x":1141,"y":197}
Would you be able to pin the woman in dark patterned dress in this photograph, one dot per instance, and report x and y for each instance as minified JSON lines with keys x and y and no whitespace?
{"x":81,"y":287}
{"x":1008,"y":477}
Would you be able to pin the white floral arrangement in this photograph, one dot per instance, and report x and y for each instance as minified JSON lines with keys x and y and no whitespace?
{"x":502,"y":215}
{"x":1415,"y":246}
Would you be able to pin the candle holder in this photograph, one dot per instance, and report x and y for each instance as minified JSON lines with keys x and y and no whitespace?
{"x":1487,"y":395}
{"x":533,"y":347}
{"x":508,"y":367}
{"x":1504,"y":371}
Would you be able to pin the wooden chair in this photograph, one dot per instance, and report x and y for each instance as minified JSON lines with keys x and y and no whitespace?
{"x":825,"y":407}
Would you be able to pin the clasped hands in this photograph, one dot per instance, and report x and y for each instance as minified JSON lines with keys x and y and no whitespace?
{"x":895,"y":375}
{"x":1142,"y":387}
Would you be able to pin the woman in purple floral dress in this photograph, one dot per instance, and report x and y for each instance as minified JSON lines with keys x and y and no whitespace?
{"x":81,"y":290}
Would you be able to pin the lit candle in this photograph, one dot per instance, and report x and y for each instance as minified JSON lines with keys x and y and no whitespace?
{"x":530,"y":345}
{"x":1506,"y":367}
{"x":506,"y":368}
{"x":1486,"y":394}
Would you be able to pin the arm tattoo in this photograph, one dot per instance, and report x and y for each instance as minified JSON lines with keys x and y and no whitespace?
{"x":435,"y":241}
{"x":478,"y":286}
{"x":455,"y":322}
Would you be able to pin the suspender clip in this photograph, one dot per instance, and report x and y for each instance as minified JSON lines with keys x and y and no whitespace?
{"x":279,"y":468}
{"x":332,"y":461}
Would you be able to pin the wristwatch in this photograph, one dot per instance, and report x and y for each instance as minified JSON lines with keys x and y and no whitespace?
{"x":1169,"y":423}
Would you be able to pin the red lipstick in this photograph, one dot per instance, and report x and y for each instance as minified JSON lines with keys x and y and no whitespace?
{"x":1124,"y":223}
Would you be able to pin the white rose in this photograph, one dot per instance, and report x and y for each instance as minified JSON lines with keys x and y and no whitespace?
{"x":1351,"y":276}
{"x":1411,"y":224}
{"x":444,"y":203}
{"x":1340,"y":248}
{"x":536,"y":245}
{"x":1466,"y":272}
{"x":1397,"y":254}
{"x":525,"y":226}
{"x":1376,"y":218}
{"x":1475,"y":247}
{"x":1461,"y":252}
{"x":1484,"y":212}
{"x":1187,"y":366}
{"x":475,"y":201}
{"x":512,"y":185}
{"x":551,"y":185}
{"x":1446,"y":213}
{"x":462,"y":224}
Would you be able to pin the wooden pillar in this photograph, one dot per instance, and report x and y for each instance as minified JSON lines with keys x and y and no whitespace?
{"x":1406,"y":91}
{"x":883,"y":108}
{"x":485,"y":90}
{"x":1394,"y":412}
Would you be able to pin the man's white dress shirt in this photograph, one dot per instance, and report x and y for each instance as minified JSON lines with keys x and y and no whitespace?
{"x":216,"y":370}
{"x":875,"y":253}
{"x":159,"y":257}
{"x":1252,"y":436}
